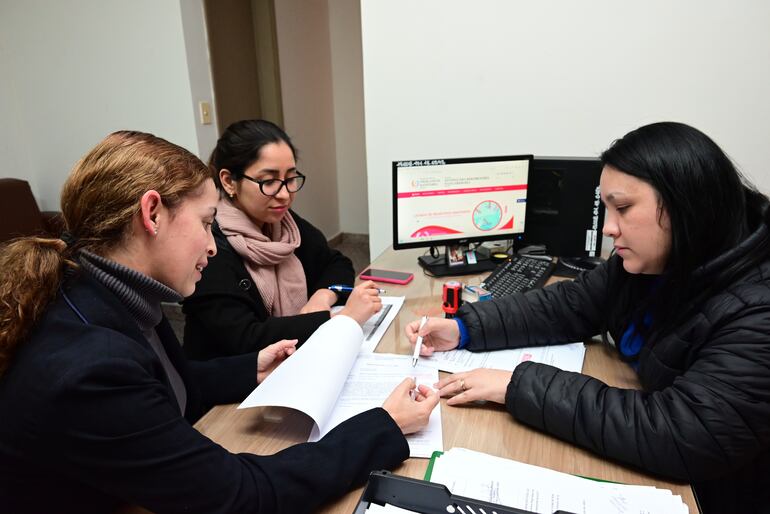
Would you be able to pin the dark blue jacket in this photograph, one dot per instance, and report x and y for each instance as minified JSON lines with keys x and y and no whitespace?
{"x":88,"y":422}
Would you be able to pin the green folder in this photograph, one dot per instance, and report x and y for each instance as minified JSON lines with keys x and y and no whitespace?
{"x":437,"y":454}
{"x":429,"y":471}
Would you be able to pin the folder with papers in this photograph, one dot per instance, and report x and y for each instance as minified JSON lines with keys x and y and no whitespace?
{"x":388,"y":493}
{"x":542,"y":490}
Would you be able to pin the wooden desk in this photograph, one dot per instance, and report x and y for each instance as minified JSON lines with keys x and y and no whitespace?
{"x":487,"y":428}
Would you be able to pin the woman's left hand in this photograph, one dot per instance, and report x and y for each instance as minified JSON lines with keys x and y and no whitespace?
{"x":271,"y":356}
{"x":479,"y":384}
{"x":321,"y":300}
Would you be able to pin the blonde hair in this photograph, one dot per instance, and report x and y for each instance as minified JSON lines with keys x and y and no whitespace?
{"x":99,"y":201}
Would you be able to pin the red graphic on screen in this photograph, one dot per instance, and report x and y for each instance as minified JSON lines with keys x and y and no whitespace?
{"x":507,"y":225}
{"x":433,"y":230}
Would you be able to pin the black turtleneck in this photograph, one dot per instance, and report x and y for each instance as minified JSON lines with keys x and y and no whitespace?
{"x":142,"y":296}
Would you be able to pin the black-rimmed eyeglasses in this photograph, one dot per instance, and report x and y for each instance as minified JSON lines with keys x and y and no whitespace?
{"x":272,"y":186}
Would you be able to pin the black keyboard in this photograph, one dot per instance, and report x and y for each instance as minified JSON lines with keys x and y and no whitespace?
{"x":518,"y":274}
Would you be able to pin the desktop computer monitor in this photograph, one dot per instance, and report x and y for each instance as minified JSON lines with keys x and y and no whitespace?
{"x":455,"y":202}
{"x":564,"y":209}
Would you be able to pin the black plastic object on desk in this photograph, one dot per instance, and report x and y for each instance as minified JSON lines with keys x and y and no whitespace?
{"x":424,"y":497}
{"x":518,"y":274}
{"x":574,"y":266}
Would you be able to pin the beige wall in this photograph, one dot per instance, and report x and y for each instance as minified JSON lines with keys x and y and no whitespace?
{"x":557,"y":78}
{"x":69,"y":78}
{"x":305,"y":61}
{"x":319,"y":50}
{"x":233,"y":60}
{"x":348,"y":91}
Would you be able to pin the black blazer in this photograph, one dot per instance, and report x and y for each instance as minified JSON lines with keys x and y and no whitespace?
{"x":226,"y":314}
{"x":89,"y":422}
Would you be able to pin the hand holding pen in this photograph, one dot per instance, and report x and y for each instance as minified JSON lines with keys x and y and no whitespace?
{"x":363,"y":303}
{"x":439,"y":335}
{"x":337,"y":288}
{"x":418,"y":343}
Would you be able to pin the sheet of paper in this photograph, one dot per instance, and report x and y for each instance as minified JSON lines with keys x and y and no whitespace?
{"x":320,"y":365}
{"x":568,"y":357}
{"x":372,"y":378}
{"x":387,"y":509}
{"x":376,"y":326}
{"x":542,"y":490}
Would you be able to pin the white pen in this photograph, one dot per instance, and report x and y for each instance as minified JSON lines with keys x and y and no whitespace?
{"x":418,"y":344}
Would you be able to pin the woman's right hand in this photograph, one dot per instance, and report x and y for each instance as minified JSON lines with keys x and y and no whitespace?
{"x":411,"y":414}
{"x":438,"y":335}
{"x":363,"y":303}
{"x":271,"y":356}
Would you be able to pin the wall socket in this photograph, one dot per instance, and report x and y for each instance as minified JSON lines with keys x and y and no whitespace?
{"x":205,"y":112}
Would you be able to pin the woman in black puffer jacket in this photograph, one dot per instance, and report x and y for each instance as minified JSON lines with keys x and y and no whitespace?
{"x":685,"y":299}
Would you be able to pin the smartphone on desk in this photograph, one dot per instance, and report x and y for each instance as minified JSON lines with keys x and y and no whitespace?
{"x":383,"y":275}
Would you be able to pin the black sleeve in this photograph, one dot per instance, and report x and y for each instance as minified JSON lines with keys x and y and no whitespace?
{"x":225,"y":323}
{"x":224,"y":379}
{"x":567,"y":311}
{"x":114,"y":428}
{"x":323,"y":265}
{"x":712,"y":420}
{"x":210,"y":382}
{"x":226,"y":316}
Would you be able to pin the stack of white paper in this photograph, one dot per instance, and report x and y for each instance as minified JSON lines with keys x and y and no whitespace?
{"x":330,"y":379}
{"x":523,"y":486}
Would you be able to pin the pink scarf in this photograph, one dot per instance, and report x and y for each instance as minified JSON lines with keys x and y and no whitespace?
{"x":276,"y":271}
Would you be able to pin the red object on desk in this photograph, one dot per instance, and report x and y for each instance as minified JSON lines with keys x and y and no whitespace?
{"x":452,"y":298}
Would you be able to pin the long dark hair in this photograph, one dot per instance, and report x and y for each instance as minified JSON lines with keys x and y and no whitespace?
{"x":710,"y":205}
{"x":240,"y":146}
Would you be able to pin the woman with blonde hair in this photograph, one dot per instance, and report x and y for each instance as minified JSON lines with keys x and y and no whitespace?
{"x":96,"y":397}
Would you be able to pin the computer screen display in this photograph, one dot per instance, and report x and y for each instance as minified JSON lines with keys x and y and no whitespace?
{"x":564,"y":209}
{"x":458,"y":201}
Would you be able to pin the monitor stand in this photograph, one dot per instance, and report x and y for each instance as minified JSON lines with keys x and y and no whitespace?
{"x":438,"y":267}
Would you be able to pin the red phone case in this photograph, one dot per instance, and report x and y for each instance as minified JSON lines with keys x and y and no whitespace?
{"x":377,"y":278}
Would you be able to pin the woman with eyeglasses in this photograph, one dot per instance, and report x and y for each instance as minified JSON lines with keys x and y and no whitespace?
{"x":270,"y":276}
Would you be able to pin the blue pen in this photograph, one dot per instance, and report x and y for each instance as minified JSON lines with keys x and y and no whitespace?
{"x":346,"y":289}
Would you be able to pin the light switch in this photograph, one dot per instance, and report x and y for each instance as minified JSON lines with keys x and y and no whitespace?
{"x":205,"y":109}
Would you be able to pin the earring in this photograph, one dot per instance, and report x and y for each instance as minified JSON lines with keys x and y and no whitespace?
{"x":156,"y":231}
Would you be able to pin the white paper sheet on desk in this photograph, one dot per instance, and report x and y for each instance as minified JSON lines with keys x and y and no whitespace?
{"x":568,"y":357}
{"x":542,"y":490}
{"x":371,"y":380}
{"x":330,"y":380}
{"x":376,"y":326}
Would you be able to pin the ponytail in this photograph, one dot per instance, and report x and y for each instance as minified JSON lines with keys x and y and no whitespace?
{"x":99,"y":202}
{"x":31,"y":271}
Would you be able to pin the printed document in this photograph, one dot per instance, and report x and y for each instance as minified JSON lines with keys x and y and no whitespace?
{"x":376,"y":326}
{"x":542,"y":490}
{"x":339,"y":381}
{"x":568,"y":357}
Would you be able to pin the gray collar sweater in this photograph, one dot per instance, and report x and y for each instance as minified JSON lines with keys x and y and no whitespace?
{"x":142,"y":296}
